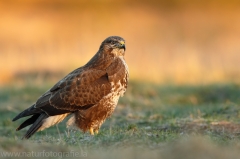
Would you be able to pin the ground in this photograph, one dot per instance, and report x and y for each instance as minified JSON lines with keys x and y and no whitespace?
{"x":153,"y":120}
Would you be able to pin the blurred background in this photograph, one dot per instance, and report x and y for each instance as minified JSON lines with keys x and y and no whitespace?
{"x":167,"y":41}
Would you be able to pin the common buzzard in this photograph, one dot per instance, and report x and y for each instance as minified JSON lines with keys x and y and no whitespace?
{"x":90,"y":93}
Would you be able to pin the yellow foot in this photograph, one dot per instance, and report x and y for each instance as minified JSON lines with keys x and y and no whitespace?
{"x":96,"y":131}
{"x":91,"y":131}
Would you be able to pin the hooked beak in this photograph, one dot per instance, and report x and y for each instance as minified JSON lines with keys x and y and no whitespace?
{"x":121,"y":45}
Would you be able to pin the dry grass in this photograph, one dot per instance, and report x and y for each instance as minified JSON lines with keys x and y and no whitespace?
{"x":175,"y":41}
{"x":196,"y":147}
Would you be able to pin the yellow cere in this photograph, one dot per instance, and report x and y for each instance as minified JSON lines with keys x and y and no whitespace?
{"x":122,"y":42}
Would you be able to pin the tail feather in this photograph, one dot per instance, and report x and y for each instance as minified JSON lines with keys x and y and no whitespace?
{"x":29,"y":121}
{"x":30,"y":111}
{"x":36,"y":125}
{"x":41,"y":117}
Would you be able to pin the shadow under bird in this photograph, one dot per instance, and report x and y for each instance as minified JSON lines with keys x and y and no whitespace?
{"x":89,"y":94}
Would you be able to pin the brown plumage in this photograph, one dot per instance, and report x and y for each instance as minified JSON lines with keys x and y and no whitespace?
{"x":90,"y":92}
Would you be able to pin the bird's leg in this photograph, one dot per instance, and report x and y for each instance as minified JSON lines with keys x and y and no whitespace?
{"x":91,"y":131}
{"x":96,"y":131}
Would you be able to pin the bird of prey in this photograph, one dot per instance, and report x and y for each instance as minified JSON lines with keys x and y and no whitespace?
{"x":90,"y":93}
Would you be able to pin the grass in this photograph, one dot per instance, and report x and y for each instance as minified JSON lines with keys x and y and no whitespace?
{"x":150,"y":120}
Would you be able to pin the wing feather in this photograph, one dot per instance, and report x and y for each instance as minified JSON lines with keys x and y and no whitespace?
{"x":80,"y":90}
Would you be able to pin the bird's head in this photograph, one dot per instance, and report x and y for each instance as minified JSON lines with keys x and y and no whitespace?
{"x":110,"y":49}
{"x":113,"y":45}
